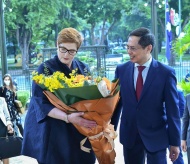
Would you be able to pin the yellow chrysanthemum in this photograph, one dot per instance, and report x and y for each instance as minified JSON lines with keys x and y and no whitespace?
{"x":59,"y":80}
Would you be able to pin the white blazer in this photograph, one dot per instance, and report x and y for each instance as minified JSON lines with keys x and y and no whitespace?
{"x":4,"y":113}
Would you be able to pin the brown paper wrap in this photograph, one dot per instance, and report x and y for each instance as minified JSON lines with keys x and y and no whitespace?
{"x":102,"y":136}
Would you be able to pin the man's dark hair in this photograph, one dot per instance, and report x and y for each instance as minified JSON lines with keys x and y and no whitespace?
{"x":146,"y":37}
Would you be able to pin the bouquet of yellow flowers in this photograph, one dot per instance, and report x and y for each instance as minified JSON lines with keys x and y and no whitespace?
{"x":73,"y":89}
{"x":96,"y":97}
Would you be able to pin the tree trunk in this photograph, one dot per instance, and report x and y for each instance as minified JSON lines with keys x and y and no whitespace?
{"x":103,"y":31}
{"x":56,"y":34}
{"x":162,"y":26}
{"x":92,"y":34}
{"x":24,"y":38}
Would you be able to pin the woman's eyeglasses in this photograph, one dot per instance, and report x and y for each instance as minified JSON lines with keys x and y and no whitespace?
{"x":64,"y":50}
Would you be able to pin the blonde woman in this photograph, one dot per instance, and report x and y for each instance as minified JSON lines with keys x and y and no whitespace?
{"x":5,"y":123}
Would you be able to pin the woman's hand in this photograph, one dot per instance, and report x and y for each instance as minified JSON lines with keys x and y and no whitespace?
{"x":76,"y":118}
{"x":10,"y":128}
{"x":184,"y":145}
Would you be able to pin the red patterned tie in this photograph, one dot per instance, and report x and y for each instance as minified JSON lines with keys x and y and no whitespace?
{"x":139,"y":84}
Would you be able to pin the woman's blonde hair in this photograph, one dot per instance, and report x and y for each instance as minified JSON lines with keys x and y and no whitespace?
{"x":70,"y":35}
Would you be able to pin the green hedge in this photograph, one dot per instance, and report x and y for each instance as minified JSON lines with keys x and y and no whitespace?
{"x":124,"y":51}
{"x":23,"y":96}
{"x":185,"y":86}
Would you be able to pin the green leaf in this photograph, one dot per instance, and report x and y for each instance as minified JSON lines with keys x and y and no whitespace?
{"x":72,"y":95}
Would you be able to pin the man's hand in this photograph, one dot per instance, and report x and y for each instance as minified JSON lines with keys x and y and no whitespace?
{"x":174,"y":153}
{"x":184,"y":145}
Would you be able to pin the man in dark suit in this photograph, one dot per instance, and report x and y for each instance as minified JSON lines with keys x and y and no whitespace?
{"x":185,"y":143}
{"x":150,"y":120}
{"x":187,"y":76}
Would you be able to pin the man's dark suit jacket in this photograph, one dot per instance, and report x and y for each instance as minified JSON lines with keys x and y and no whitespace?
{"x":156,"y":115}
{"x":186,"y":122}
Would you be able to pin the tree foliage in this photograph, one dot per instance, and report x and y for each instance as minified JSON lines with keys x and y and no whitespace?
{"x":29,"y":20}
{"x":182,"y":44}
{"x":103,"y":12}
{"x":33,"y":21}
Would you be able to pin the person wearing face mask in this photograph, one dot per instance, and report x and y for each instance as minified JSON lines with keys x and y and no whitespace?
{"x":8,"y":91}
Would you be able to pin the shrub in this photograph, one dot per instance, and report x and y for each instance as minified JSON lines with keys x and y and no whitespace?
{"x":23,"y":96}
{"x":123,"y":51}
{"x":185,"y":86}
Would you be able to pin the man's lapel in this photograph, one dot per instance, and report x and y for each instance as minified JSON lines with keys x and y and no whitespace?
{"x":131,"y":80}
{"x":152,"y":72}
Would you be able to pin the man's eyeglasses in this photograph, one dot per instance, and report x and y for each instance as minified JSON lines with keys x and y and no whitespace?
{"x":133,"y":49}
{"x":64,"y":50}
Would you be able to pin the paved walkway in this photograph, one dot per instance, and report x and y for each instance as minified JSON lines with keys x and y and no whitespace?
{"x":22,"y":160}
{"x":118,"y":149}
{"x":28,"y":160}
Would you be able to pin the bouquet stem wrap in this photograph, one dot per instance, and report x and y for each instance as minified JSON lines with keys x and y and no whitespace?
{"x":102,"y":136}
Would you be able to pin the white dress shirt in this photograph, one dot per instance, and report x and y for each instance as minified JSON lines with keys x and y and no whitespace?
{"x":144,"y":72}
{"x":4,"y":113}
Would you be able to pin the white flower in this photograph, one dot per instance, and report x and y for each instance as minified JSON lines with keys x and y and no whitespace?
{"x":102,"y":87}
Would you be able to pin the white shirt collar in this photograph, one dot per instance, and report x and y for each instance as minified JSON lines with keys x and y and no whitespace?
{"x":147,"y":64}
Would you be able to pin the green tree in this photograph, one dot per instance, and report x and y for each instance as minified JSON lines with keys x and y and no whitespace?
{"x":30,"y":20}
{"x":103,"y":12}
{"x":182,"y":44}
